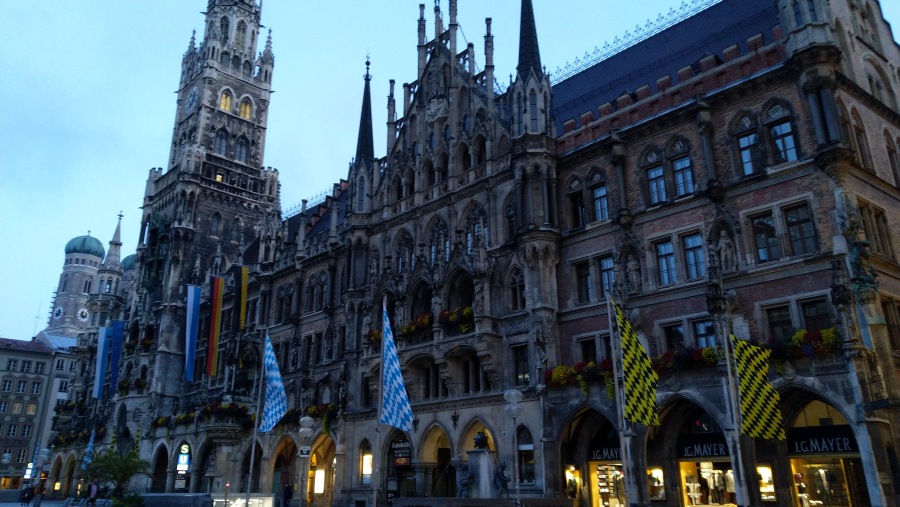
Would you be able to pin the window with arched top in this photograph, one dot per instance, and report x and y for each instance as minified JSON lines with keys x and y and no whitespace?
{"x":236,"y":230}
{"x":575,"y":195}
{"x":221,"y":142}
{"x":240,"y":35}
{"x":750,"y":154}
{"x":225,"y":101}
{"x":241,"y":150}
{"x":525,"y":455}
{"x":782,"y":142}
{"x":214,"y":224}
{"x":224,"y":29}
{"x":599,"y":197}
{"x":654,"y":173}
{"x":361,"y":195}
{"x":864,"y":156}
{"x":87,"y":286}
{"x":533,"y":111}
{"x":516,"y":290}
{"x":245,"y":109}
{"x":65,"y":285}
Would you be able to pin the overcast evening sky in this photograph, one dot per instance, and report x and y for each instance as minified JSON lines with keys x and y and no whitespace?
{"x":87,"y":104}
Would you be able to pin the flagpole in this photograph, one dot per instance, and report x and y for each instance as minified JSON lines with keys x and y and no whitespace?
{"x":740,"y":477}
{"x":262,"y":356}
{"x":624,"y":438}
{"x":376,"y":452}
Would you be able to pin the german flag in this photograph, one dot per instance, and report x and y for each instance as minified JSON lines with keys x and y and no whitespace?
{"x":217,"y":287}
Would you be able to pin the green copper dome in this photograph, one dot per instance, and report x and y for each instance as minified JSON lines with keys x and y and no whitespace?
{"x":129,"y":263}
{"x":88,"y":245}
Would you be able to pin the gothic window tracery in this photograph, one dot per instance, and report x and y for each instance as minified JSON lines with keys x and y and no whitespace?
{"x":245,"y":109}
{"x":225,"y":101}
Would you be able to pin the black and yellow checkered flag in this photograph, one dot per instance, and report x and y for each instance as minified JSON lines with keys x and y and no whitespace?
{"x":640,"y":379}
{"x":760,"y":415}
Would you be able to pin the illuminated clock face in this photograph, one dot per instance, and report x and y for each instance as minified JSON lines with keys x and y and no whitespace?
{"x":83,"y":315}
{"x":57,"y":313}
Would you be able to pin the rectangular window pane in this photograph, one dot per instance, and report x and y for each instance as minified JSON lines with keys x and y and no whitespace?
{"x":751,"y":155}
{"x":520,"y":365}
{"x":704,"y":334}
{"x":588,"y":350}
{"x":583,"y":282}
{"x":684,"y":177}
{"x":766,"y":238}
{"x":607,"y":275}
{"x":601,"y":204}
{"x":783,"y":138}
{"x":779,"y":320}
{"x":674,"y":336}
{"x":665,"y":258}
{"x":815,"y":315}
{"x":695,"y":261}
{"x":800,"y":230}
{"x":656,"y":185}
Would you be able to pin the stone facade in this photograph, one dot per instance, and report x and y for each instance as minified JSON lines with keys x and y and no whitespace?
{"x":742,"y":183}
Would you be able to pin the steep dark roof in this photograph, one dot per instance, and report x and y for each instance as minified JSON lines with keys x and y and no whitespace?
{"x":365,"y":145}
{"x":685,"y":43}
{"x":529,"y":53}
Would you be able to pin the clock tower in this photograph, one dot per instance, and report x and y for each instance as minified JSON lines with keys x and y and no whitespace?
{"x":201,"y":211}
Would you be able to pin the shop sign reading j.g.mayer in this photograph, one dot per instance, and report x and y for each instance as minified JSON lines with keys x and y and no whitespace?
{"x":837,"y":439}
{"x":702,"y":445}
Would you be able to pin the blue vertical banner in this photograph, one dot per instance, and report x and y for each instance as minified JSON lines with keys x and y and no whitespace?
{"x":192,"y":326}
{"x":115,"y":351}
{"x":100,"y":368}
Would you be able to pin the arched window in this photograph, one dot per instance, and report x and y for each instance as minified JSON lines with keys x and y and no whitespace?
{"x":781,"y":135}
{"x":221,"y":144}
{"x":236,"y":230}
{"x":575,"y":193}
{"x":65,"y":285}
{"x":87,"y":286}
{"x":657,"y":193}
{"x":245,"y":109}
{"x":749,"y":150}
{"x":516,"y":290}
{"x":225,"y":101}
{"x":224,"y":28}
{"x":107,"y":287}
{"x":525,"y":455}
{"x":862,"y":144}
{"x":532,"y":111}
{"x":241,"y":150}
{"x":214,"y":223}
{"x":321,"y":293}
{"x":361,"y":195}
{"x":240,"y":35}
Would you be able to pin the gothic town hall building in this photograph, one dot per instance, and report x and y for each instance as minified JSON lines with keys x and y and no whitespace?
{"x":734,"y":172}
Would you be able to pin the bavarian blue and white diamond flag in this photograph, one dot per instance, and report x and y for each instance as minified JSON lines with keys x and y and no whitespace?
{"x":395,"y":409}
{"x":276,"y":399}
{"x":88,"y":452}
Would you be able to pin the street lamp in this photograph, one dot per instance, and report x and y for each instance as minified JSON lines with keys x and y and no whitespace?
{"x":307,"y":429}
{"x":514,"y":410}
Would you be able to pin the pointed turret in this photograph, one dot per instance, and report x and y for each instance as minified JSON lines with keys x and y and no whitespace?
{"x":365,"y":146}
{"x":114,"y":254}
{"x":529,"y":53}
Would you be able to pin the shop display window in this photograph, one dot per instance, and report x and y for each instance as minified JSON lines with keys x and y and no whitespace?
{"x":820,"y":482}
{"x":766,"y":485}
{"x":655,"y":484}
{"x":611,"y":485}
{"x":707,"y":483}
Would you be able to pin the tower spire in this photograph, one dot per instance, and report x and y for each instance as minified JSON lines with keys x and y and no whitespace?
{"x":113,"y":256}
{"x":365,"y":146}
{"x":529,"y":53}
